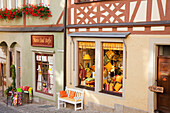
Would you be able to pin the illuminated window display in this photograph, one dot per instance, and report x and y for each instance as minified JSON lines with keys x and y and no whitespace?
{"x":112,"y":67}
{"x":44,"y":73}
{"x":86,"y":59}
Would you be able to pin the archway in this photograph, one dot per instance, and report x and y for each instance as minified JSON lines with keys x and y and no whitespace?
{"x":15,"y":58}
{"x":3,"y":57}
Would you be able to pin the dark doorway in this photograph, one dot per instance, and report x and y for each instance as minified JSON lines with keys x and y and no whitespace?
{"x":163,"y":99}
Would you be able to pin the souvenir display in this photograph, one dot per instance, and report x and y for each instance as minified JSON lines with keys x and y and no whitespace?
{"x":87,"y":64}
{"x":110,"y":54}
{"x":112,"y":67}
{"x":44,"y":64}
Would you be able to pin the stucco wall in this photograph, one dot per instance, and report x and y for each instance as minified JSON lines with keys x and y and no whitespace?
{"x":136,"y":84}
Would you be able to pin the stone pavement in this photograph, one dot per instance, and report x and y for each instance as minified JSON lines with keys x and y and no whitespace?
{"x":37,"y":108}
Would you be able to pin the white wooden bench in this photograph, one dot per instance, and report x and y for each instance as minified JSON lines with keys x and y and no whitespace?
{"x":78,"y":99}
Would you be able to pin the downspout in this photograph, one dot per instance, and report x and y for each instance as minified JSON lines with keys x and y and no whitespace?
{"x":65,"y":40}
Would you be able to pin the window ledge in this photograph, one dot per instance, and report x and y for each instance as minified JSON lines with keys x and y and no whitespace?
{"x":84,"y":87}
{"x":44,"y":93}
{"x":111,"y":93}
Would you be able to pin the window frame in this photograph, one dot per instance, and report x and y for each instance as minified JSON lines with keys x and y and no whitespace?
{"x":81,"y":86}
{"x":98,"y":61}
{"x":110,"y":92}
{"x":36,"y":79}
{"x":51,"y":52}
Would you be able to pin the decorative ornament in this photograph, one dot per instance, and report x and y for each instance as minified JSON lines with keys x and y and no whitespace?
{"x":110,"y":54}
{"x":108,"y":66}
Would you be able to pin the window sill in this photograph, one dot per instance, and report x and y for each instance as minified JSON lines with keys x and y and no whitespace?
{"x":111,"y":93}
{"x":84,"y":87}
{"x":44,"y":93}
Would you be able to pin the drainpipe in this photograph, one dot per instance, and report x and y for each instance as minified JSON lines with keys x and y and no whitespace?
{"x":65,"y":40}
{"x":2,"y":79}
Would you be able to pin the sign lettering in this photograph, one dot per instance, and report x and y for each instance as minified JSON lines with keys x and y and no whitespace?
{"x":42,"y":40}
{"x":156,"y":89}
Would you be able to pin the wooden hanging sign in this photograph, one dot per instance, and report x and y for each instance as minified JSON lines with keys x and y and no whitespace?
{"x":42,"y":40}
{"x":156,"y":89}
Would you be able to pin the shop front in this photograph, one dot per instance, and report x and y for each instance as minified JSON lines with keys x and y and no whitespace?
{"x":159,"y":53}
{"x":38,"y":61}
{"x":116,"y":72}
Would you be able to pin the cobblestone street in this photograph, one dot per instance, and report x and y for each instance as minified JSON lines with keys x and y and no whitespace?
{"x":36,"y":108}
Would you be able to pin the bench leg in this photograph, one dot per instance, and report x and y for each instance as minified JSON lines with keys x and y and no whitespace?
{"x":75,"y":107}
{"x":82,"y":106}
{"x":65,"y":104}
{"x":58,"y":104}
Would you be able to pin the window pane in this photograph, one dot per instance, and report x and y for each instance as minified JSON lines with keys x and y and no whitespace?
{"x":9,"y":4}
{"x":18,"y":3}
{"x":1,"y":4}
{"x":44,"y":73}
{"x":86,"y":58}
{"x":112,"y":67}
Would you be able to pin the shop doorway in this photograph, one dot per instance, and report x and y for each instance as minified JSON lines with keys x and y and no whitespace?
{"x":163,"y":103}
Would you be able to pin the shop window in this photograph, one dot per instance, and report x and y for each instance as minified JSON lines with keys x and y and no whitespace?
{"x":112,"y":68}
{"x":44,"y":73}
{"x":86,"y":60}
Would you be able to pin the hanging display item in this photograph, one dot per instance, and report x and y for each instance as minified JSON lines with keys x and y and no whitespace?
{"x":44,"y":79}
{"x":112,"y":67}
{"x":87,"y":64}
{"x":39,"y":84}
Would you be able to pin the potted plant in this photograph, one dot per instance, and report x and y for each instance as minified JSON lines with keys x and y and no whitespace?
{"x":12,"y":87}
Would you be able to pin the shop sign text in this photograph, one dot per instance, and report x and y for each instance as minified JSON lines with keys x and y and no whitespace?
{"x":156,"y":89}
{"x":42,"y":40}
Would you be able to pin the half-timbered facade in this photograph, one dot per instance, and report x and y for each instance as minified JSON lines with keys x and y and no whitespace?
{"x":115,"y":48}
{"x":35,"y":45}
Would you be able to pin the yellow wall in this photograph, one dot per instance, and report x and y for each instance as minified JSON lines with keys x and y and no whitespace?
{"x":136,"y":84}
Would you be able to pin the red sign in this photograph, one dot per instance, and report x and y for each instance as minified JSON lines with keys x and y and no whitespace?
{"x":42,"y":40}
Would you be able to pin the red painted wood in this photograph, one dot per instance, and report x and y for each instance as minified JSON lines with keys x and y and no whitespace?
{"x":59,"y":19}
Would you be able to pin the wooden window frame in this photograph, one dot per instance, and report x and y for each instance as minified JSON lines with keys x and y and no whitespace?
{"x":36,"y":72}
{"x":99,"y":81}
{"x":82,"y":86}
{"x":110,"y":92}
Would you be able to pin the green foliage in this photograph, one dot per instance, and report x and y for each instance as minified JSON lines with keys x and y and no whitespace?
{"x":13,"y":84}
{"x":34,"y":10}
{"x":8,"y":89}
